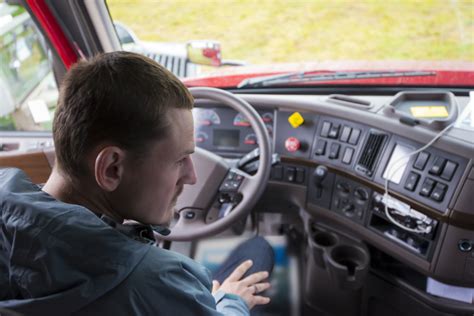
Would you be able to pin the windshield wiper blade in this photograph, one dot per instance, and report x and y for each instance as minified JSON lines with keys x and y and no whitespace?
{"x":298,"y":77}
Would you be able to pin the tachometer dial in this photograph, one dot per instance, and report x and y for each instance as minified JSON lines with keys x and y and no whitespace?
{"x":240,"y":120}
{"x":250,"y":139}
{"x":267,"y":117}
{"x":200,"y":137}
{"x":206,"y":117}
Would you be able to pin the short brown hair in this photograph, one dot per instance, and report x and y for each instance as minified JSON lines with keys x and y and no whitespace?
{"x":117,"y":97}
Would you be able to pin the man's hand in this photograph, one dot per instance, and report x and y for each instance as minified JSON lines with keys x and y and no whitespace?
{"x":247,"y":288}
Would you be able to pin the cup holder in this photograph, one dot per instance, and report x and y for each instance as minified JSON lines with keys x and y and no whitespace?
{"x":320,"y":242}
{"x":348,"y":265}
{"x":325,"y":239}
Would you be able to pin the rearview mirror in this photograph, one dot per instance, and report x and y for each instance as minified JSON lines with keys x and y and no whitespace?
{"x":204,"y":52}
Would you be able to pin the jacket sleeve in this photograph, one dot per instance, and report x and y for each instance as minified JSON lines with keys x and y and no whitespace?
{"x":179,"y":287}
{"x":173,"y":285}
{"x":230,"y":304}
{"x":189,"y":294}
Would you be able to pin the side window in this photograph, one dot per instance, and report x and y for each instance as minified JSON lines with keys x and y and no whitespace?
{"x":28,"y":91}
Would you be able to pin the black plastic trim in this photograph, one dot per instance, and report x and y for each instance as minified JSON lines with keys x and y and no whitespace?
{"x":349,"y":89}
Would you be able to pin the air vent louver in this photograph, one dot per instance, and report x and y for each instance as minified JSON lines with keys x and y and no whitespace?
{"x":349,"y":101}
{"x":370,"y":153}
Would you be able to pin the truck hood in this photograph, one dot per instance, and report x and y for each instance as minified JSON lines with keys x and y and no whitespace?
{"x":452,"y":73}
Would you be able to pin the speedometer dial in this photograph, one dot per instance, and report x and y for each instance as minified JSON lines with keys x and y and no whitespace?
{"x":240,"y":120}
{"x":206,"y":117}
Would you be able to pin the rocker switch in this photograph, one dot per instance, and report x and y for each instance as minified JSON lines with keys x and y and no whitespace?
{"x":325,"y":129}
{"x":439,"y":191}
{"x":412,"y":181}
{"x":427,"y":187}
{"x":334,"y":131}
{"x":334,"y":151}
{"x":320,"y":147}
{"x":437,"y":166}
{"x":421,"y":160}
{"x":449,"y":170}
{"x":290,"y":174}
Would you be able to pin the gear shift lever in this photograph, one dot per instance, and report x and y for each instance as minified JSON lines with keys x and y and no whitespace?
{"x":318,"y":176}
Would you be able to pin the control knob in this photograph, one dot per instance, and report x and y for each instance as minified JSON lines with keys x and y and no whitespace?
{"x":348,"y":210}
{"x":343,"y":187}
{"x":361,"y":194}
{"x":292,"y":144}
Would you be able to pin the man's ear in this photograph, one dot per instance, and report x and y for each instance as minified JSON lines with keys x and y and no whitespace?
{"x":109,"y":168}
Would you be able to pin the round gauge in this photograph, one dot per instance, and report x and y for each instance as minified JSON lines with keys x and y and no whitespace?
{"x":267,"y":117}
{"x":206,"y":117}
{"x":241,"y":120}
{"x":200,"y":137}
{"x":250,"y":139}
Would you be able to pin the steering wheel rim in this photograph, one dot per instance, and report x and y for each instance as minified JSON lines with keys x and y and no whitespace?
{"x":251,"y":187}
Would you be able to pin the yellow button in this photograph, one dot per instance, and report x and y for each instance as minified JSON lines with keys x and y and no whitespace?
{"x":296,"y":120}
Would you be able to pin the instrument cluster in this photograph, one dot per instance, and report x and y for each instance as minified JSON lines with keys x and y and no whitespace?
{"x":226,"y":131}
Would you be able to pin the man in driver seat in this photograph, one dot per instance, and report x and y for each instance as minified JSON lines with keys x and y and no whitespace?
{"x":123,"y":134}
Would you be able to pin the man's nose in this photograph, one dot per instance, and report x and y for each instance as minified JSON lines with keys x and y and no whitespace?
{"x":191,"y":173}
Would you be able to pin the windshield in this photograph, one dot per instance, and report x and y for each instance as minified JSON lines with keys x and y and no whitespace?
{"x":249,"y":44}
{"x":259,"y":38}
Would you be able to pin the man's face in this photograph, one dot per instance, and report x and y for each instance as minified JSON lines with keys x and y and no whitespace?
{"x":151,"y":186}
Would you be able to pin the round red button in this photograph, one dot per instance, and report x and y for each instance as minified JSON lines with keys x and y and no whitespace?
{"x":292,"y":144}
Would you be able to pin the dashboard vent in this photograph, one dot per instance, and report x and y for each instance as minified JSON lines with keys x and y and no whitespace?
{"x":370,"y":153}
{"x":349,"y":101}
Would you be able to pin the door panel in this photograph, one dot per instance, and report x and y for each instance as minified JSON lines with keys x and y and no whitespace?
{"x":35,"y":164}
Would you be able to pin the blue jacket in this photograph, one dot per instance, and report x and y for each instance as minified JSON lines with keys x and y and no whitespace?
{"x":61,"y":259}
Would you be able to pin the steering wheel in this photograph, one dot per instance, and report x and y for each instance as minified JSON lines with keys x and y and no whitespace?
{"x":222,"y":194}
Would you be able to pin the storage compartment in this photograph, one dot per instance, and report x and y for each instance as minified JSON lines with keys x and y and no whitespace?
{"x":412,"y":241}
{"x":436,"y":110}
{"x":385,"y":298}
{"x":393,"y":288}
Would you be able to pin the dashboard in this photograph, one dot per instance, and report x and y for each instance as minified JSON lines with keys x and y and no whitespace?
{"x":341,"y":155}
{"x":336,"y":156}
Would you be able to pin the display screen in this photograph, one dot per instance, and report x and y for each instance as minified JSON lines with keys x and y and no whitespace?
{"x":397,"y":164}
{"x":226,"y":138}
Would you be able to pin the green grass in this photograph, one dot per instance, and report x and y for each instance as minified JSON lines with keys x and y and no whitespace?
{"x":288,"y":30}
